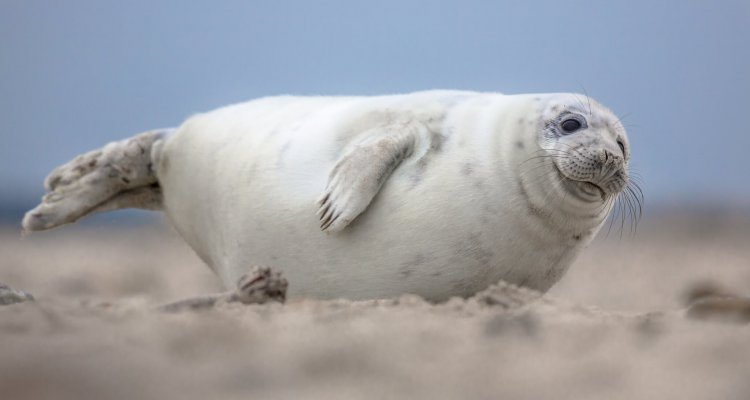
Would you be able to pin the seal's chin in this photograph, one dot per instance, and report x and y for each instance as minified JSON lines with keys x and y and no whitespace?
{"x":592,"y":189}
{"x":586,"y":189}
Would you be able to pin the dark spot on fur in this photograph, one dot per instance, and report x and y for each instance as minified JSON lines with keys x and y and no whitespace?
{"x":520,"y":145}
{"x":421,"y":165}
{"x":524,"y":194}
{"x":467,"y":169}
{"x":414,"y":180}
{"x":386,"y":170}
{"x":472,"y":248}
{"x":285,"y":147}
{"x":577,"y":237}
{"x":520,"y":121}
{"x":126,"y":180}
{"x":436,"y":142}
{"x":408,"y":267}
{"x":552,"y":274}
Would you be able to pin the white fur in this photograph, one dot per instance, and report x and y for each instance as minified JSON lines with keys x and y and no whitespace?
{"x":241,"y":185}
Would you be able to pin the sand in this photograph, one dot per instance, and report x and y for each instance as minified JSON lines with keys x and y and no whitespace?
{"x":613,"y":328}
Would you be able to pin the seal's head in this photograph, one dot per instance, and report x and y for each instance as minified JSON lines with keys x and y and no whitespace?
{"x":580,"y":168}
{"x":588,"y":147}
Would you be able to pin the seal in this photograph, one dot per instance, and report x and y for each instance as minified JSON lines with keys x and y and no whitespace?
{"x":436,"y":193}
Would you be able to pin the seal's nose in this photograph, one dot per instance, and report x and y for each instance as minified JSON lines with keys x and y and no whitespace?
{"x":607,"y":156}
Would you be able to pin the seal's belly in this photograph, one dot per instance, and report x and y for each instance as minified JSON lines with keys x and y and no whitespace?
{"x":438,"y":229}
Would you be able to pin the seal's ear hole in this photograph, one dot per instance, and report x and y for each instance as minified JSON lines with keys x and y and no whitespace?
{"x":570,"y":125}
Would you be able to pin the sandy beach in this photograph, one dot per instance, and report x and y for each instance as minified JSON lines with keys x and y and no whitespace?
{"x":613,"y":328}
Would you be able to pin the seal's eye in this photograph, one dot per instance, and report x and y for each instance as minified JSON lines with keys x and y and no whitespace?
{"x":622,"y":146}
{"x":570,"y":125}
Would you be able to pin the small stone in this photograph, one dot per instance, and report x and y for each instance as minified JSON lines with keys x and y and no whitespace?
{"x":9,"y":295}
{"x":704,"y":289}
{"x":507,"y":296}
{"x":727,"y":309}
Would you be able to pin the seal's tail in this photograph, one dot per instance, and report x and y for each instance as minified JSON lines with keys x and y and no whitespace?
{"x":119,"y":175}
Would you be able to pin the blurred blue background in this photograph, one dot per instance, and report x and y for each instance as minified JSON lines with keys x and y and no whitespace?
{"x":77,"y":74}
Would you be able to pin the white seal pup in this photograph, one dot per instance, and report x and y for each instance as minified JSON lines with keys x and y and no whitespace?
{"x":438,"y":193}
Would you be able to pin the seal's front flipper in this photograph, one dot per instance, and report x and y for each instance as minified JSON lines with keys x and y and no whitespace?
{"x":119,"y":175}
{"x":359,"y":174}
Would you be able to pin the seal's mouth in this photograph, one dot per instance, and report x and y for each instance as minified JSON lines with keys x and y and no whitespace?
{"x":588,"y":188}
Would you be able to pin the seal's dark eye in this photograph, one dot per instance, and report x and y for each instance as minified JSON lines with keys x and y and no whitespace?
{"x":570,"y":125}
{"x":622,"y":146}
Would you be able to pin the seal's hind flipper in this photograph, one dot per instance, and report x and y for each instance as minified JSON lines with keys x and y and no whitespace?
{"x":359,"y":174}
{"x":119,"y":175}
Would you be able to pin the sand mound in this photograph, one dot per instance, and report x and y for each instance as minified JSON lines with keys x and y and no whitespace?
{"x":93,"y":331}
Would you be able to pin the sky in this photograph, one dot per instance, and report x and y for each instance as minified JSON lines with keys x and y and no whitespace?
{"x":75,"y":75}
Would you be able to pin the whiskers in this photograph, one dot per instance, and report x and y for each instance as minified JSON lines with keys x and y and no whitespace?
{"x":628,"y":206}
{"x":587,"y":105}
{"x":620,"y":126}
{"x":624,"y":209}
